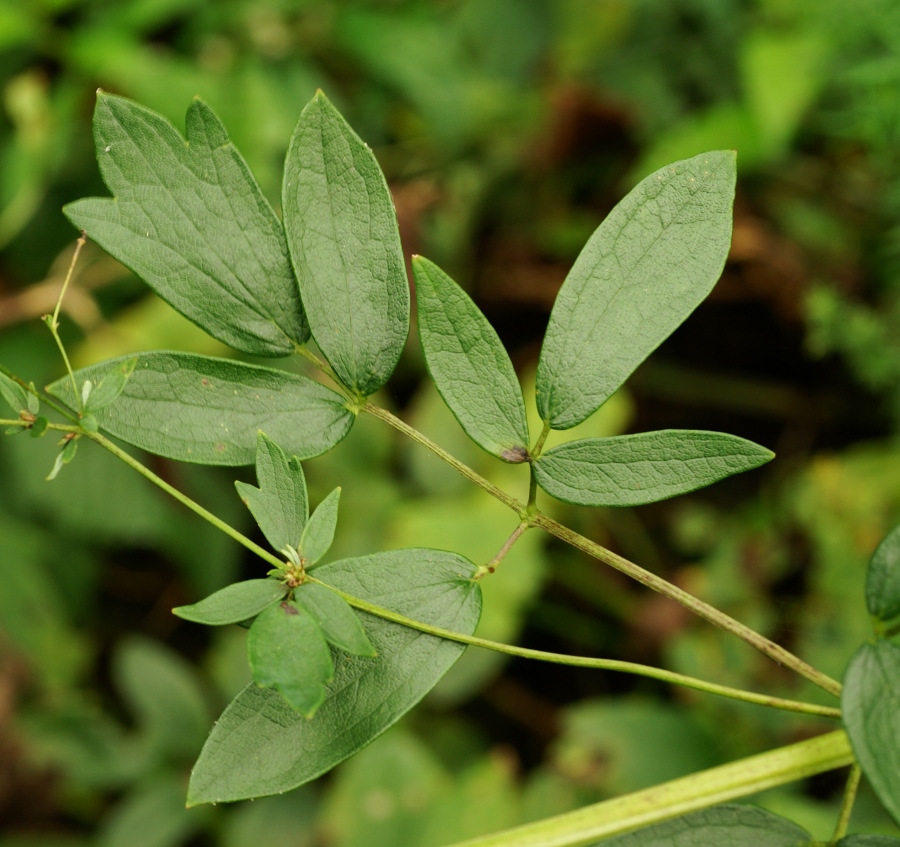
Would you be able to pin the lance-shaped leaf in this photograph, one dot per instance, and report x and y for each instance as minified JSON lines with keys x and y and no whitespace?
{"x":883,"y":579}
{"x":190,"y":220}
{"x":260,"y":746}
{"x":107,"y":391}
{"x":340,"y":624}
{"x":208,"y":410}
{"x":18,"y":398}
{"x":280,"y":505}
{"x":235,"y":603}
{"x":287,"y":652}
{"x":318,"y":534}
{"x":345,"y":245}
{"x":469,"y":365}
{"x":629,"y":470}
{"x":872,"y":718}
{"x":643,"y":271}
{"x":731,"y":825}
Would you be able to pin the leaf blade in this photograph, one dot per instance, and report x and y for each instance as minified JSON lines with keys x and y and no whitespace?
{"x":336,"y":617}
{"x":883,"y":579}
{"x":318,"y":534}
{"x":235,"y":603}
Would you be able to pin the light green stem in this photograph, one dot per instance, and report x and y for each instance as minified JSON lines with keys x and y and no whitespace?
{"x":671,"y":799}
{"x":53,"y":321}
{"x":843,"y":822}
{"x":491,"y":566}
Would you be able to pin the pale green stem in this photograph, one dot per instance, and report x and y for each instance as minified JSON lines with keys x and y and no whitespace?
{"x":62,"y":410}
{"x":491,"y":566}
{"x":587,"y":662}
{"x":643,"y":808}
{"x":539,"y":444}
{"x":53,"y":321}
{"x":847,"y":804}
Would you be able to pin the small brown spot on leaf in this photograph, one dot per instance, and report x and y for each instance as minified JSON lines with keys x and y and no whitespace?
{"x":289,"y":609}
{"x":515,"y":455}
{"x":220,"y":447}
{"x":204,"y":381}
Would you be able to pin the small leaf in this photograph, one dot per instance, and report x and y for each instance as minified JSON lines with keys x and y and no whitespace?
{"x":110,"y":386}
{"x":645,"y":269}
{"x":630,"y":470}
{"x":345,"y":246}
{"x":39,"y":427}
{"x":318,"y":534}
{"x":190,"y":220}
{"x":869,"y":705}
{"x":731,"y":825}
{"x":235,"y":603}
{"x":63,"y":458}
{"x":208,"y":410}
{"x":883,"y":579}
{"x":280,"y":504}
{"x":260,"y":746}
{"x":340,"y":624}
{"x":288,"y":653}
{"x":469,"y":365}
{"x":89,"y":423}
{"x":34,"y":404}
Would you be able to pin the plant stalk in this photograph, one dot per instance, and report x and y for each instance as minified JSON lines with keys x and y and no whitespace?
{"x":491,"y":566}
{"x":843,"y":821}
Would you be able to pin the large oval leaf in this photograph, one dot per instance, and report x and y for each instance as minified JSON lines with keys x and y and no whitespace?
{"x":207,"y":410}
{"x":190,"y":220}
{"x":261,"y":746}
{"x":630,"y":470}
{"x":345,"y":245}
{"x":644,"y":270}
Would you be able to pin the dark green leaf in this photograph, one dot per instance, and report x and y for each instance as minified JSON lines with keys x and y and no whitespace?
{"x":110,"y":386}
{"x":469,"y":365}
{"x":318,"y":534}
{"x":14,"y":394}
{"x":339,"y":622}
{"x":343,"y":238}
{"x":644,"y":270}
{"x":872,"y":718}
{"x":883,"y":579}
{"x":288,"y":653}
{"x":632,"y":469}
{"x":234,"y":603}
{"x":208,"y":410}
{"x":190,"y":220}
{"x":280,"y":504}
{"x":868,"y":841}
{"x":39,"y":427}
{"x":260,"y":746}
{"x":731,"y":825}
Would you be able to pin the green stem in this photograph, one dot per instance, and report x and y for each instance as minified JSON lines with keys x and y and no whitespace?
{"x":678,"y":797}
{"x":491,"y":566}
{"x":847,"y":804}
{"x":587,"y":662}
{"x":53,"y":321}
{"x":539,"y":444}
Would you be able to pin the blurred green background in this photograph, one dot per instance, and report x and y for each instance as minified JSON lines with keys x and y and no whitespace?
{"x":507,"y":130}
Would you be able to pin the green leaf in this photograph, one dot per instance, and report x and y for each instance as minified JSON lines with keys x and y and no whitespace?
{"x":872,"y":718}
{"x":39,"y":427}
{"x":629,"y":470}
{"x":339,"y":622}
{"x":110,"y":386}
{"x":644,"y":270}
{"x":883,"y":579}
{"x":469,"y":365}
{"x":234,"y":603}
{"x":318,"y":534}
{"x":260,"y":746}
{"x":732,"y":825}
{"x":345,"y":245}
{"x":868,"y":841}
{"x":288,"y":652}
{"x":209,"y":410}
{"x":190,"y":220}
{"x":62,"y":458}
{"x":14,"y":394}
{"x":280,"y":504}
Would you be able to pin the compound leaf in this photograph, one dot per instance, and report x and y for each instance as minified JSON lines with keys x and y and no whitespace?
{"x":235,"y":603}
{"x":869,"y":705}
{"x":630,"y":470}
{"x":644,"y":270}
{"x":208,"y":410}
{"x":339,"y":622}
{"x":318,"y":534}
{"x":345,"y":245}
{"x":883,"y":579}
{"x":280,"y":505}
{"x":288,"y":653}
{"x":260,"y":746}
{"x":189,"y":219}
{"x":469,"y":365}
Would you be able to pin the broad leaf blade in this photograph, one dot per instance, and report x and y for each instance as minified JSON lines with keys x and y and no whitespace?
{"x":630,"y":470}
{"x":318,"y":534}
{"x":288,"y":653}
{"x":190,"y":220}
{"x":469,"y":365}
{"x":234,"y":603}
{"x":260,"y":746}
{"x":644,"y":270}
{"x":883,"y":579}
{"x":208,"y":410}
{"x":732,"y":825}
{"x":869,"y":705}
{"x":345,"y":245}
{"x":280,"y":505}
{"x":340,"y":624}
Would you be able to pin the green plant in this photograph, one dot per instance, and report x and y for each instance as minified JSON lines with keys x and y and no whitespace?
{"x":340,"y":650}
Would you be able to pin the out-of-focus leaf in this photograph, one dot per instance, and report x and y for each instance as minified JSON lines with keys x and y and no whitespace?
{"x":883,"y":579}
{"x":286,"y":820}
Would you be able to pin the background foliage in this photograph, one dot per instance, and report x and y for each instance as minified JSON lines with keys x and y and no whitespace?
{"x":507,"y":130}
